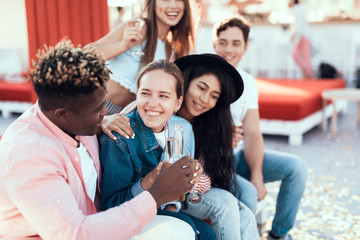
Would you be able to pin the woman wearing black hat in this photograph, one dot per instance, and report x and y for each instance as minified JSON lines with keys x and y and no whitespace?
{"x":211,"y":85}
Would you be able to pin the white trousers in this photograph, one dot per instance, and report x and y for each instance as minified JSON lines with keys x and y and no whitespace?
{"x":166,"y":228}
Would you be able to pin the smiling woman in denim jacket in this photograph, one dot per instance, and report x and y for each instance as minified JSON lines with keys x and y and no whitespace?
{"x":211,"y":84}
{"x":130,"y":165}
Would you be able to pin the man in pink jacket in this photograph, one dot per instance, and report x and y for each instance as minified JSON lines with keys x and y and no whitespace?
{"x":49,"y":162}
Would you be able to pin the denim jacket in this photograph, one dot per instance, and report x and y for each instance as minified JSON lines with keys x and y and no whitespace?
{"x":125,"y":162}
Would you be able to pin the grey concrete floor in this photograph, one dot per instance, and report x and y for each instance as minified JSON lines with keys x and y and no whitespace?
{"x":330,"y":208}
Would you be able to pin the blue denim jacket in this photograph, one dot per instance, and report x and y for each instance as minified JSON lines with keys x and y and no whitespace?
{"x":125,"y":162}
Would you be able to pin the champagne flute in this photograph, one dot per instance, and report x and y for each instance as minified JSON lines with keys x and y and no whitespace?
{"x":194,"y":197}
{"x":238,"y":115}
{"x":174,"y":142}
{"x":137,"y":21}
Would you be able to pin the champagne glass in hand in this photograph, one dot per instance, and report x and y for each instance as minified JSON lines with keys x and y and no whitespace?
{"x":137,"y":21}
{"x":174,"y":149}
{"x":238,"y":115}
{"x":174,"y":142}
{"x":194,"y":197}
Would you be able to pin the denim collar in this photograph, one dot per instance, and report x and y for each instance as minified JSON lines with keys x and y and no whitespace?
{"x":145,"y":132}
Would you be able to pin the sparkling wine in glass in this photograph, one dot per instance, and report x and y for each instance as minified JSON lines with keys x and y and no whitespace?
{"x":137,"y":21}
{"x":169,"y":141}
{"x":174,"y":141}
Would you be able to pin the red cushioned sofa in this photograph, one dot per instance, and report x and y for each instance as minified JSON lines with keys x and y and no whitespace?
{"x":291,"y":107}
{"x":16,"y":97}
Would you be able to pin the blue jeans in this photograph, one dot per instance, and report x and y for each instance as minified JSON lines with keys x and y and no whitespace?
{"x":290,"y":170}
{"x":205,"y":232}
{"x":230,"y":219}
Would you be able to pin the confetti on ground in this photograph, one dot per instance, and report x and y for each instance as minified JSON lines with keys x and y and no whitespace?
{"x":323,"y":213}
{"x":330,"y":208}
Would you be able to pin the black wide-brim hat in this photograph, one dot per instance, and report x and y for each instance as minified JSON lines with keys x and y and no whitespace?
{"x":213,"y":61}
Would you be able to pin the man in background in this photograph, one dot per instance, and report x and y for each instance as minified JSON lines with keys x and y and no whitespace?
{"x":254,"y":165}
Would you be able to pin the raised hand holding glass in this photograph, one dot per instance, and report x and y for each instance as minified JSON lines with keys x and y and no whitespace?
{"x":137,"y":20}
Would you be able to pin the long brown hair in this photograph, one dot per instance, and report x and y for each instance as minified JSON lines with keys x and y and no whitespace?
{"x":180,"y":38}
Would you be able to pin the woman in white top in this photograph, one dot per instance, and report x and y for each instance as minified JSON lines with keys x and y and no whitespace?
{"x":301,"y":39}
{"x":168,"y":34}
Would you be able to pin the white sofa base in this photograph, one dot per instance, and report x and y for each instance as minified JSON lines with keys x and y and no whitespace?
{"x":296,"y":129}
{"x":8,"y":107}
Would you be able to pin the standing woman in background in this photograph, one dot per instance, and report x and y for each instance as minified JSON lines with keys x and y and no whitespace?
{"x":168,"y":33}
{"x":301,"y":39}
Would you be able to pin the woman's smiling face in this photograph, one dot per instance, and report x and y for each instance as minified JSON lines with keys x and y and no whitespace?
{"x":202,"y":95}
{"x":169,"y":12}
{"x":157,"y":99}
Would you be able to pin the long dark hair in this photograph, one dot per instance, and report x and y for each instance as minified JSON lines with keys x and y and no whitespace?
{"x":181,"y":36}
{"x":213,"y":130}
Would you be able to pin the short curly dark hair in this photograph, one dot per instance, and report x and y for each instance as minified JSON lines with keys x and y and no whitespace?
{"x":65,"y":72}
